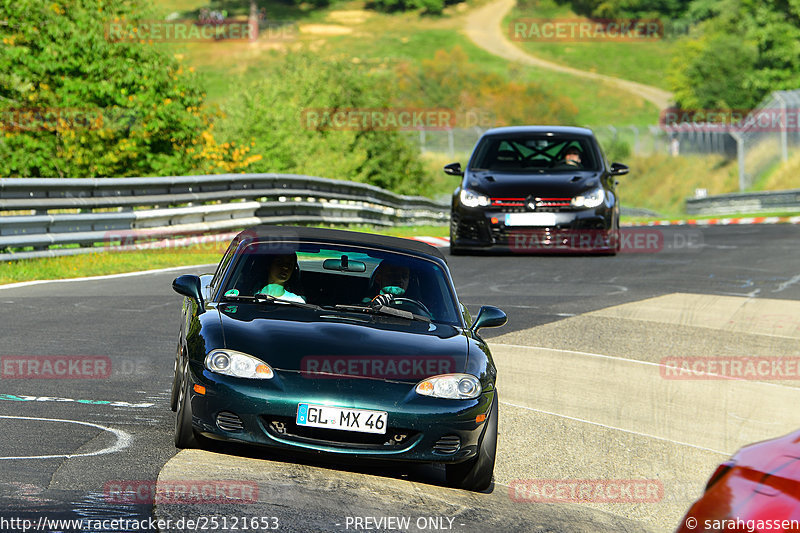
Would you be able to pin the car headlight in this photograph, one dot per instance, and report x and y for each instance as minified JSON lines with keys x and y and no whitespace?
{"x":473,"y":199}
{"x":238,"y":364}
{"x":450,"y":386}
{"x":592,"y":198}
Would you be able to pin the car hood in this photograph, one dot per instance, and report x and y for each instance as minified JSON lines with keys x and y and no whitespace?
{"x":291,"y":339}
{"x":522,"y":185}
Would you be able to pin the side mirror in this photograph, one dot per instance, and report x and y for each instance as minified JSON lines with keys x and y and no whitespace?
{"x":454,"y":169}
{"x":618,"y":169}
{"x":189,"y":286}
{"x":489,"y":317}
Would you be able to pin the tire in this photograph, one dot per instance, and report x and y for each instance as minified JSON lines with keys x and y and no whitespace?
{"x":456,"y":251}
{"x":184,"y":433}
{"x":176,"y":383}
{"x":476,"y":474}
{"x":453,"y":249}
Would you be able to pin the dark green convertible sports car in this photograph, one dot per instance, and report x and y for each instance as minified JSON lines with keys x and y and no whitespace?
{"x":341,"y":343}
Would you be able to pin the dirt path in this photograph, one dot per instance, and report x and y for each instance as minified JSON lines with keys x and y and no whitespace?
{"x":485,"y":27}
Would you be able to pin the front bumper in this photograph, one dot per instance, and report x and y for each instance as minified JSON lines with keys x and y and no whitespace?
{"x":585,"y":230}
{"x":420,"y":429}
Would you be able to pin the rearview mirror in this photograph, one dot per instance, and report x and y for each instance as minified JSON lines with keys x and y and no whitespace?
{"x":454,"y":169}
{"x":618,"y":169}
{"x":189,"y":286}
{"x":489,"y":317}
{"x":344,"y":265}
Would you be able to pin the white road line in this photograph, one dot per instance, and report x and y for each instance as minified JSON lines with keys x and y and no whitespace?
{"x":589,"y":354}
{"x":123,"y":439}
{"x":108,"y":276}
{"x":619,"y":429}
{"x":786,"y":284}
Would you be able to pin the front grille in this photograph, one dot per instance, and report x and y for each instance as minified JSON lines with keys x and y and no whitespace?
{"x":227,"y":421}
{"x":552,"y":202}
{"x":508,"y":202}
{"x":521,"y":205}
{"x":286,"y":428}
{"x":447,"y":445}
{"x":552,"y":205}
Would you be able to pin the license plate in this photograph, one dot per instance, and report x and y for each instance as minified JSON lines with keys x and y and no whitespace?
{"x":325,"y":416}
{"x":530,"y":219}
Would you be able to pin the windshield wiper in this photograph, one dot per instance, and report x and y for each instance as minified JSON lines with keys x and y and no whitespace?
{"x":382,"y":310}
{"x":263,"y":298}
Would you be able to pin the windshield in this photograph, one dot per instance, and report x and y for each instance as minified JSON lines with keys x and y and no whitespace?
{"x":338,"y":275}
{"x":526,"y":152}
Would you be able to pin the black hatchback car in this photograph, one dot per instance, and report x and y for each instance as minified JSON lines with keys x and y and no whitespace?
{"x":536,"y":189}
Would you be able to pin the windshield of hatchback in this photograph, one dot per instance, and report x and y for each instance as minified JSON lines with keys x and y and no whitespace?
{"x":330,"y":275}
{"x":521,"y":153}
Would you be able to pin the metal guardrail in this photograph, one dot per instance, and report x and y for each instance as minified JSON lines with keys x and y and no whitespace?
{"x":119,"y":211}
{"x":745,"y":203}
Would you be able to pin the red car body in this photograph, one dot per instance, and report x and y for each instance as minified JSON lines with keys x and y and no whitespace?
{"x":757,"y":490}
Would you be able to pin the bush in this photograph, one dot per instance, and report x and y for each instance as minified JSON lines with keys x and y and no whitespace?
{"x":617,"y":150}
{"x":82,"y":105}
{"x":276,"y":115}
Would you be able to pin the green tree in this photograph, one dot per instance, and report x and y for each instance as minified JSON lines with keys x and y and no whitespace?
{"x":74,"y":103}
{"x":739,"y":52}
{"x":628,"y":8}
{"x":711,"y":72}
{"x":287,"y":114}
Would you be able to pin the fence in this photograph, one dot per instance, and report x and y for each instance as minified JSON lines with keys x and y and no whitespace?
{"x":761,"y":145}
{"x":47,"y":217}
{"x":760,"y":138}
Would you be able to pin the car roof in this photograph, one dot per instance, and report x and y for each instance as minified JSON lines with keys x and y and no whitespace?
{"x":336,"y":236}
{"x":511,"y":130}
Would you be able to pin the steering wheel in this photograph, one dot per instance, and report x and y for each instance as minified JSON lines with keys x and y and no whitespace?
{"x":414,"y":303}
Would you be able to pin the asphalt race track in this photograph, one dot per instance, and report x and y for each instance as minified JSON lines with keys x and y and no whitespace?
{"x":584,"y":394}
